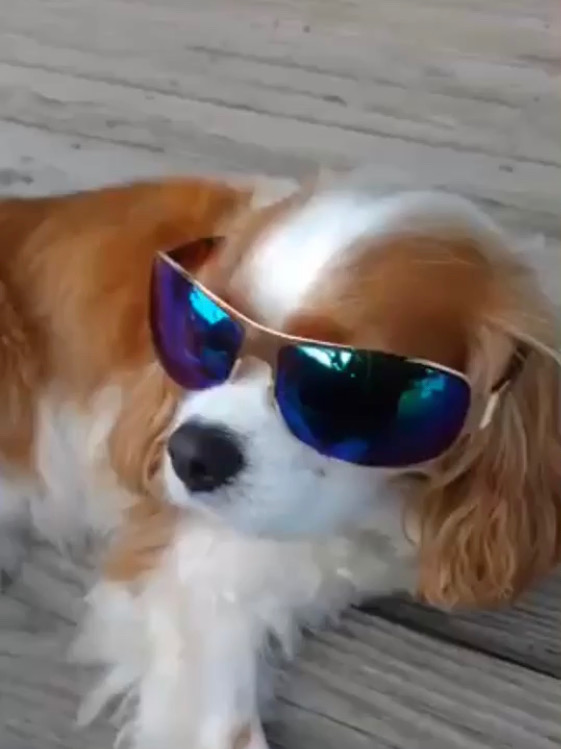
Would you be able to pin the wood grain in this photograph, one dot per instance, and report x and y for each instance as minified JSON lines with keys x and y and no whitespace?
{"x":527,"y":634}
{"x":282,"y":87}
{"x":367,"y":683}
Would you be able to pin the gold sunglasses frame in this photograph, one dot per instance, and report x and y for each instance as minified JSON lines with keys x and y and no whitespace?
{"x":264,"y":343}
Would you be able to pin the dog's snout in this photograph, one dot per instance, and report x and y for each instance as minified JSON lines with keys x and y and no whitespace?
{"x":204,"y":456}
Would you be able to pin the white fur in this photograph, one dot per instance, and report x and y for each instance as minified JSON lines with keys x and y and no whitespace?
{"x":79,"y":489}
{"x":286,"y":488}
{"x":192,"y":649}
{"x":296,"y":255}
{"x":74,"y":491}
{"x":290,"y":257}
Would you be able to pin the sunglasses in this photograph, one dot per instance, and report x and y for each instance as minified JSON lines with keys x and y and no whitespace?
{"x":363,"y":407}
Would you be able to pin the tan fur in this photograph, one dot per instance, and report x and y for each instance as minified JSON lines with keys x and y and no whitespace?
{"x":146,"y":534}
{"x":137,"y":440}
{"x":82,"y":263}
{"x":491,"y":519}
{"x":413,"y":295}
{"x":74,"y":279}
{"x":19,"y":377}
{"x":490,"y":516}
{"x":489,"y":512}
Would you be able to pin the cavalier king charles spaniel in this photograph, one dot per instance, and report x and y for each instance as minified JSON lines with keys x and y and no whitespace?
{"x":269,"y":409}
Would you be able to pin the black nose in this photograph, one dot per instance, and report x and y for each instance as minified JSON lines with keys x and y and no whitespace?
{"x":204,"y":456}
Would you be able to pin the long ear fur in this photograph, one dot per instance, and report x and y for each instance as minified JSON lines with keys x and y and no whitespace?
{"x":491,"y":524}
{"x":136,"y":445}
{"x":137,"y":440}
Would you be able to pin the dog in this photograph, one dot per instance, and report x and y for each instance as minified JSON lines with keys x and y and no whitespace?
{"x":269,"y":409}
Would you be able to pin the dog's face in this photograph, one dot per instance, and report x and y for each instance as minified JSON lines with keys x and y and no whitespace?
{"x":417,"y":275}
{"x":341,"y":269}
{"x":265,"y":480}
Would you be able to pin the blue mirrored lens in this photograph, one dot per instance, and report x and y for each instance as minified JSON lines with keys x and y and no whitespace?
{"x":369,"y":408}
{"x":196,"y":341}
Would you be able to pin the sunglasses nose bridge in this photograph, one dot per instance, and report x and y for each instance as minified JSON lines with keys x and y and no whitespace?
{"x":251,"y":364}
{"x":256,"y":352}
{"x":245,"y":364}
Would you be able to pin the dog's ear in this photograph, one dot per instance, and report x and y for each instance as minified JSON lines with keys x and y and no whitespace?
{"x":186,"y":218}
{"x":490,"y":529}
{"x":137,"y":440}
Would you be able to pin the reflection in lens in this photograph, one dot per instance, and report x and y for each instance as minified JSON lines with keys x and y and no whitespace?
{"x":367,"y":407}
{"x":196,"y":340}
{"x":203,"y":307}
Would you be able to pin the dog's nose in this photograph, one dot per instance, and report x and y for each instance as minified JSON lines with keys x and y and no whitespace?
{"x":204,"y":456}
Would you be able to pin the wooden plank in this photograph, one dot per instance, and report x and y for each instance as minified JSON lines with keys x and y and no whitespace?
{"x":268,"y":91}
{"x":311,"y":97}
{"x":35,"y":161}
{"x":369,"y":683}
{"x":121,"y":114}
{"x":528,"y":633}
{"x":404,"y":690}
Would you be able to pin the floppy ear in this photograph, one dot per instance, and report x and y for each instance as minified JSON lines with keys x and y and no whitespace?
{"x":493,"y":527}
{"x":137,"y":440}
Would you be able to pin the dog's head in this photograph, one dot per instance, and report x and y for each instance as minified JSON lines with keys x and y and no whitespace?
{"x":430,"y":295}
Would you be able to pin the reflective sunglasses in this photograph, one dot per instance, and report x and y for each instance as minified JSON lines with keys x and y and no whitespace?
{"x":364,"y":407}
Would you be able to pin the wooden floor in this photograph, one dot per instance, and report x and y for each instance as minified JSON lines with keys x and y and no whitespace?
{"x":460,"y":94}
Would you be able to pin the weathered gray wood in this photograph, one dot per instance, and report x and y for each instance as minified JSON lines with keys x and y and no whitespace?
{"x":528,"y":633}
{"x":369,"y":683}
{"x":406,"y":691}
{"x":436,"y":92}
